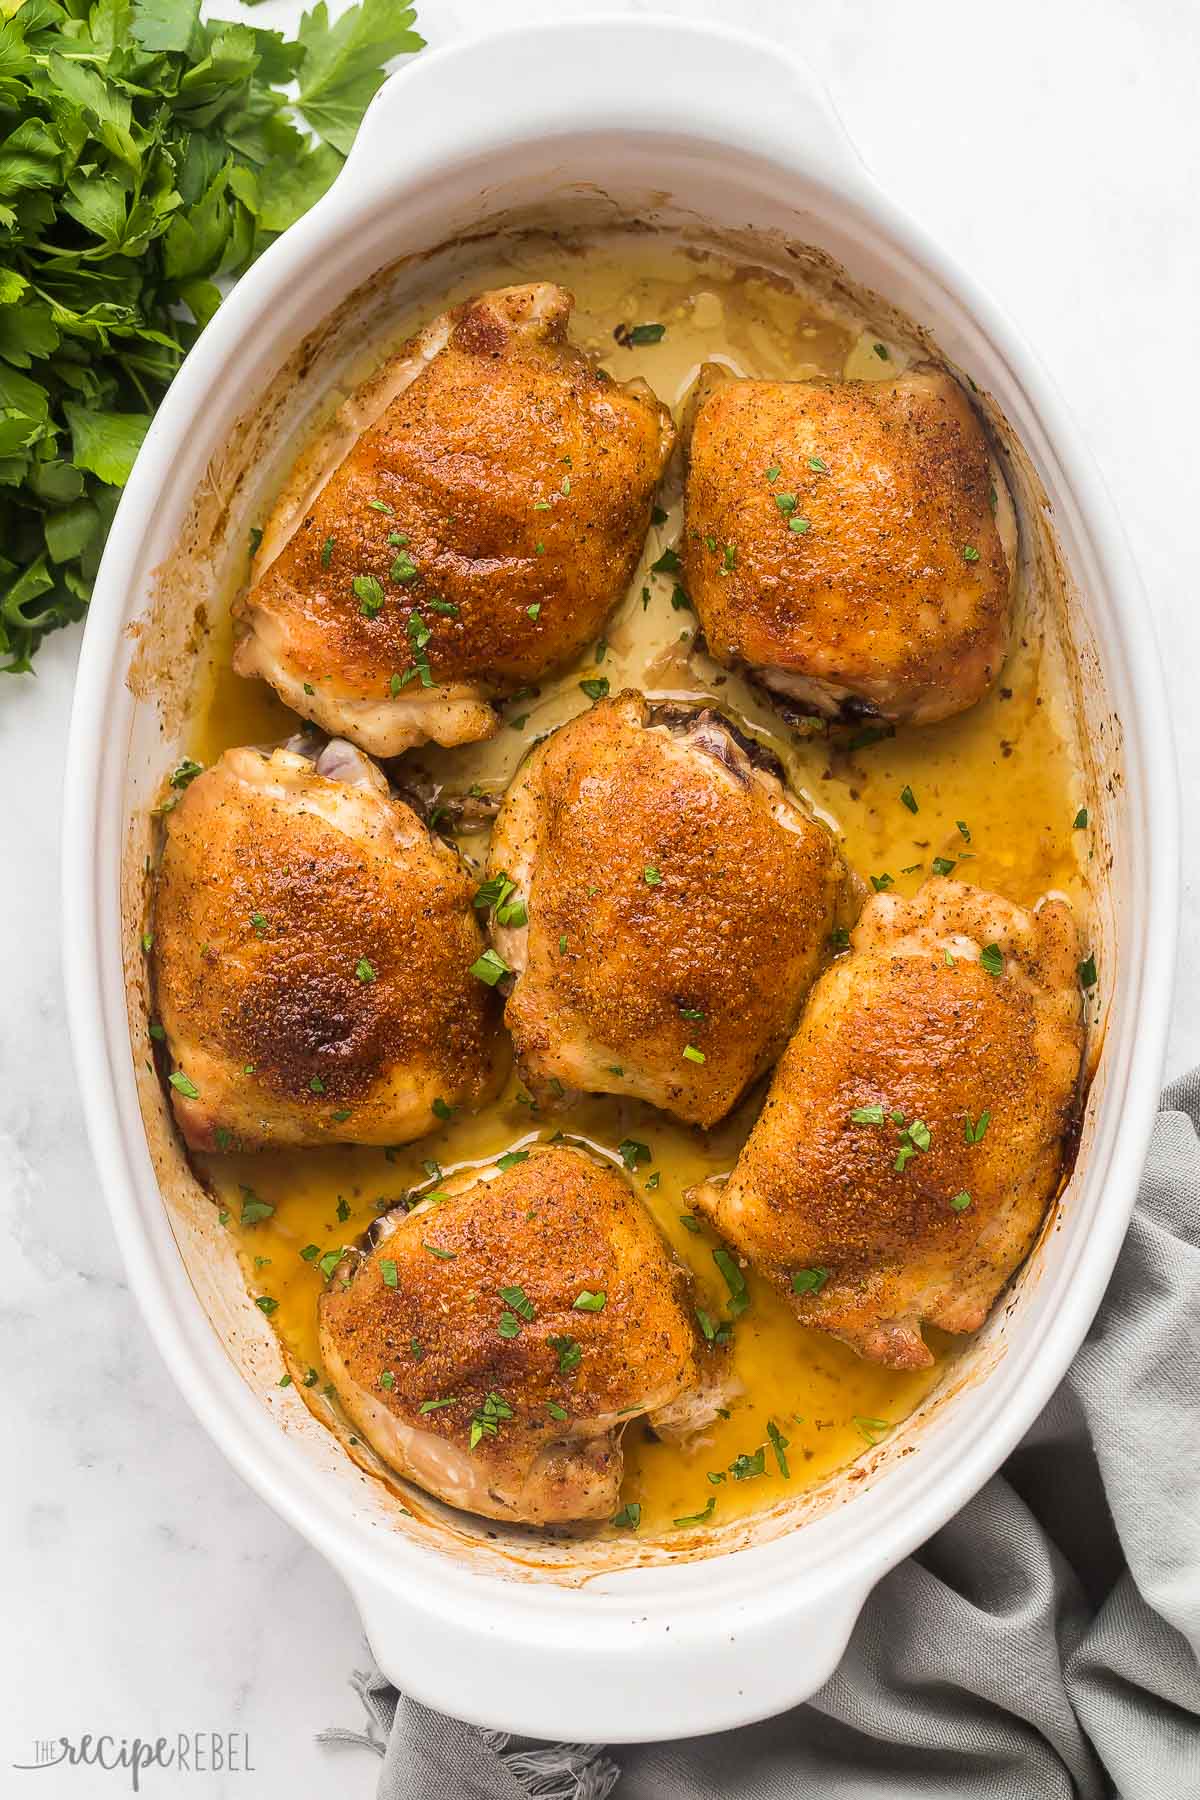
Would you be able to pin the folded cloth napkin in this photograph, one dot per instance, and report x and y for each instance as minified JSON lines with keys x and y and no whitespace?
{"x":1043,"y":1645}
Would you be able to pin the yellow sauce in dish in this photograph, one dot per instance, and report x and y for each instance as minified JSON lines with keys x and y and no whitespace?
{"x":997,"y":791}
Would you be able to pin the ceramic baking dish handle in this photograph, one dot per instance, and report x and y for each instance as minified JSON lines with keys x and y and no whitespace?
{"x":732,"y":88}
{"x":658,"y":1660}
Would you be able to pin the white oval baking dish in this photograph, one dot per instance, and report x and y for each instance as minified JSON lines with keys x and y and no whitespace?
{"x":687,"y":121}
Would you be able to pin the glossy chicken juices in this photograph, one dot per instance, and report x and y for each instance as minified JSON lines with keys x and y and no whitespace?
{"x":991,"y":795}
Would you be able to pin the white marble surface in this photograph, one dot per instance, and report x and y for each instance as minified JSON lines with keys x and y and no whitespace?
{"x":1054,"y":146}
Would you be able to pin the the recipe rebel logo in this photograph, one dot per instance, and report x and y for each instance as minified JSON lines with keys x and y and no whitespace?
{"x":187,"y":1753}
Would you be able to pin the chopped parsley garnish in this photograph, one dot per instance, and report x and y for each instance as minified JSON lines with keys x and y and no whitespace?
{"x":881,"y":883}
{"x":186,"y":773}
{"x":798,"y":524}
{"x":588,"y":1302}
{"x":429,"y":1406}
{"x":689,"y":1221}
{"x":881,"y":351}
{"x":960,"y":1202}
{"x":786,"y":503}
{"x":973,"y":1134}
{"x":511,"y":1158}
{"x":387,"y":1380}
{"x":316,"y":1085}
{"x":700,"y":1518}
{"x":436,"y":1250}
{"x":629,"y":1517}
{"x":364,"y":970}
{"x":369,"y":595}
{"x":651,"y":876}
{"x":381,"y":506}
{"x":519,"y":1300}
{"x":1087,"y":972}
{"x":403,"y":569}
{"x":533,"y":611}
{"x":735,"y":1281}
{"x":839,"y":938}
{"x":691,"y":1054}
{"x":629,"y":335}
{"x":441,"y":1110}
{"x":253,"y":1209}
{"x":156,"y":1031}
{"x":489,"y":968}
{"x":486,"y":1422}
{"x":343,"y":1210}
{"x":746,"y":1466}
{"x":942,"y":865}
{"x":909,"y":799}
{"x":991,"y":959}
{"x":652,"y":1181}
{"x":809,"y":1281}
{"x":556,"y":1411}
{"x":868,"y":1115}
{"x":632,"y":1153}
{"x":779,"y":1444}
{"x":963,"y":831}
{"x":387,"y":1269}
{"x":329,"y":1262}
{"x":1081,"y":819}
{"x":970,"y":553}
{"x":595,"y":687}
{"x":265,"y":1304}
{"x":774,"y":472}
{"x":568,"y":1352}
{"x":259,"y":922}
{"x":509,"y":1325}
{"x":184,"y":1085}
{"x":327,"y":553}
{"x":310,"y":1252}
{"x":872,"y":1429}
{"x":667,"y":564}
{"x":446,"y":608}
{"x":818,"y":464}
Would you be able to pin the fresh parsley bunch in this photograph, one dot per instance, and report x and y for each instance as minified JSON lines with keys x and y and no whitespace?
{"x":145,"y":154}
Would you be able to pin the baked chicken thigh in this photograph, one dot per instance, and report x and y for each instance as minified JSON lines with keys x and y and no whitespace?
{"x":665,"y":903}
{"x":312,"y":945}
{"x":915,"y":1128}
{"x":851,"y":543}
{"x":493,"y":1344}
{"x":468,"y":521}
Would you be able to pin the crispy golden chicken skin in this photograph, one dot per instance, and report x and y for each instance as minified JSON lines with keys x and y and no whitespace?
{"x":467,"y":523}
{"x":853,"y":543}
{"x":493,"y":1344}
{"x":680,"y":903}
{"x":914,"y":1131}
{"x":312,"y":946}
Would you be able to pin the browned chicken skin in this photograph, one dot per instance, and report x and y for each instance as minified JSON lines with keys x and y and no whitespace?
{"x":680,"y":903}
{"x":489,"y":491}
{"x":458,"y":1346}
{"x":853,"y":543}
{"x":312,"y":942}
{"x":867,"y":1225}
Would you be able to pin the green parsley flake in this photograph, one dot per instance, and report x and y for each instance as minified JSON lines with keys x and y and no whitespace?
{"x":266,"y":1305}
{"x":809,"y":1281}
{"x":387,"y":1269}
{"x":629,"y":1517}
{"x":489,"y":968}
{"x":909,"y":799}
{"x":588,"y":1302}
{"x":596,"y":687}
{"x":700,"y":1518}
{"x":1087,"y":972}
{"x":1081,"y":819}
{"x":991,"y":959}
{"x":691,"y":1054}
{"x":364,"y":970}
{"x":568,"y":1352}
{"x":632,"y":1153}
{"x":943,"y":865}
{"x":436,"y":1250}
{"x":369,"y":595}
{"x":184,"y":1085}
{"x":960,"y":1202}
{"x":970,"y":553}
{"x":651,"y":877}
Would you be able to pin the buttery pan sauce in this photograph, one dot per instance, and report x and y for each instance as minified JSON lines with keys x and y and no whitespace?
{"x":996,"y":792}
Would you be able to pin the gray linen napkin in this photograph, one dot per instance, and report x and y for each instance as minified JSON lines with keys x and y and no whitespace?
{"x":1043,"y":1644}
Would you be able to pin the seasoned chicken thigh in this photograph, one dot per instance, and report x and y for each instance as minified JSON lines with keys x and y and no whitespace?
{"x":852,"y":543}
{"x":312,"y":946}
{"x":665,"y":902}
{"x":914,"y":1131}
{"x":493,"y":1344}
{"x":466,"y":524}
